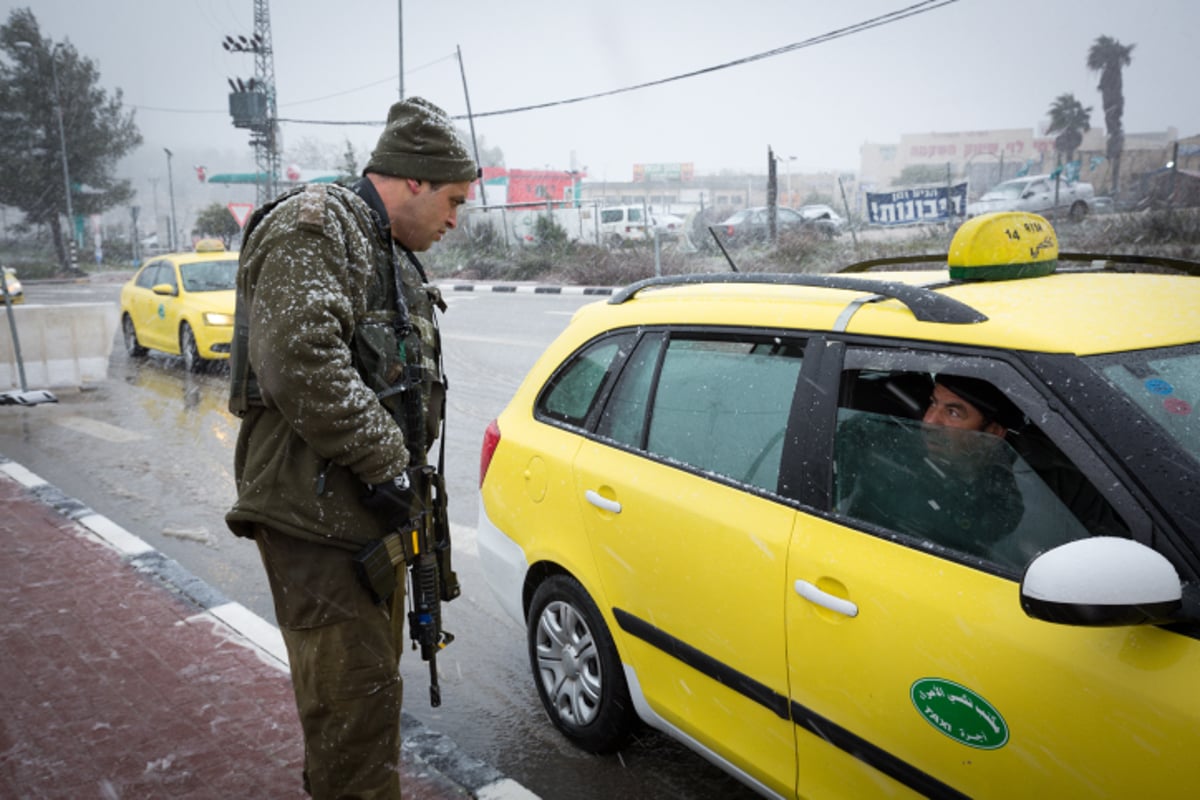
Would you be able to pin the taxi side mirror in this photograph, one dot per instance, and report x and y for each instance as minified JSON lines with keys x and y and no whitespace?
{"x":163,"y":288}
{"x":1102,"y":581}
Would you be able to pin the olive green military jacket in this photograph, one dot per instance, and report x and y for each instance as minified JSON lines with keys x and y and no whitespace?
{"x":317,"y":281}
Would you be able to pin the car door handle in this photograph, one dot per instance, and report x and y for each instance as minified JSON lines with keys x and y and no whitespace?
{"x":824,"y":599}
{"x":599,"y":501}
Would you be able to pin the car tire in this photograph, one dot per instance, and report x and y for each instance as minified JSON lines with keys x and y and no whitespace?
{"x":192,"y":361}
{"x":576,"y":667}
{"x":129,"y":334}
{"x":1078,"y":211}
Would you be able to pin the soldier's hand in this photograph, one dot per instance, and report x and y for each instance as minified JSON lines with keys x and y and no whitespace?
{"x":391,"y":502}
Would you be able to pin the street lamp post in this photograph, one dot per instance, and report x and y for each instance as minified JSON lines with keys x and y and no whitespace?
{"x":173,"y":237}
{"x":787,"y":165}
{"x":62,"y":141}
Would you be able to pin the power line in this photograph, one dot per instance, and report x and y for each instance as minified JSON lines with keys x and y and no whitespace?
{"x":436,"y":61}
{"x":923,"y":7}
{"x":388,"y":79}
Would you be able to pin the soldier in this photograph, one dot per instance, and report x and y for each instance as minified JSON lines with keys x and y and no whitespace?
{"x":336,"y":374}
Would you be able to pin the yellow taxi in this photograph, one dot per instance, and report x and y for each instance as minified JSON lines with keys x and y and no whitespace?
{"x":928,"y":532}
{"x":182,"y":304}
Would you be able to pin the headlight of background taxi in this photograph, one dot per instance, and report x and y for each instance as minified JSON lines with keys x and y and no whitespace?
{"x":216,"y":318}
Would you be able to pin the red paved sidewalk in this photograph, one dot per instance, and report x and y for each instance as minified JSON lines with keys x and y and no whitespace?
{"x":113,"y":686}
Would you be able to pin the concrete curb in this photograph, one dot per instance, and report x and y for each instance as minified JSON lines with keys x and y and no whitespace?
{"x":512,"y":288}
{"x":437,"y":750}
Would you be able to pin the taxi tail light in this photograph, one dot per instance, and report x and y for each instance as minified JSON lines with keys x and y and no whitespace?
{"x":491,"y":438}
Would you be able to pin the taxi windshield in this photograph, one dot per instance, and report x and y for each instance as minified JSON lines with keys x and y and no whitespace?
{"x":209,"y":276}
{"x":1165,"y":384}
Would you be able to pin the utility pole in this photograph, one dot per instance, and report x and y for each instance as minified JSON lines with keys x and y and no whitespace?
{"x":134,"y":241}
{"x":400,"y":39}
{"x":62,"y":138}
{"x":471,"y":120}
{"x":173,"y":238}
{"x":72,"y":244}
{"x":772,"y":195}
{"x":252,"y":104}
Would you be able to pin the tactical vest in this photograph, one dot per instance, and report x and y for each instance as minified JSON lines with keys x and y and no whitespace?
{"x":398,"y":353}
{"x":395,"y":346}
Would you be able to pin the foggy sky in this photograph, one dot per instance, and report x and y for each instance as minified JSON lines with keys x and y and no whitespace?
{"x":970,"y":65}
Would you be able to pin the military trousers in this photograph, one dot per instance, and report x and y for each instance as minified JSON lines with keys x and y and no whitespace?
{"x":344,"y":652}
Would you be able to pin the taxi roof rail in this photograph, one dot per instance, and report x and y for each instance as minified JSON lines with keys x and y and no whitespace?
{"x":925,"y":304}
{"x":1107,"y":261}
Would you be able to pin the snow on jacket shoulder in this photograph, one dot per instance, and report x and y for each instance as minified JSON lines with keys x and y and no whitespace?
{"x":313,"y":269}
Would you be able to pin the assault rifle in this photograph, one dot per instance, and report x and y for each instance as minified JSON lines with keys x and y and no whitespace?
{"x":424,"y":544}
{"x":433,"y":581}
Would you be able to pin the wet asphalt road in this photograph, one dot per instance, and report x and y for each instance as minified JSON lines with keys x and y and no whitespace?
{"x":151,"y":448}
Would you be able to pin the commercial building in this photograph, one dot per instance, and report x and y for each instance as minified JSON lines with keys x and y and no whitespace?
{"x":985,"y":158}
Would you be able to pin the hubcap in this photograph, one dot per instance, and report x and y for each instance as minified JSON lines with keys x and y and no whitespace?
{"x":569,"y":663}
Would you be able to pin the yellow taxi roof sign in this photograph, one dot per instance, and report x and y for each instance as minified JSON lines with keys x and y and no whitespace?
{"x":209,"y":246}
{"x":1003,"y":246}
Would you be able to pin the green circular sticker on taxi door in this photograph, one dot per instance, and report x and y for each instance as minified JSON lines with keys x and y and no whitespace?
{"x":959,"y":713}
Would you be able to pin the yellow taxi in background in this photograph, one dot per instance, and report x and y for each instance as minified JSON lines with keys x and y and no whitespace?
{"x":721,"y":505}
{"x":182,"y":304}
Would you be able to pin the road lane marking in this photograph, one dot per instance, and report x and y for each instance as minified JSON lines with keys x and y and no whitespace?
{"x":101,"y":430}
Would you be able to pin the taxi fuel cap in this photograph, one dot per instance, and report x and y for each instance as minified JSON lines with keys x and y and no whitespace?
{"x":1003,"y":246}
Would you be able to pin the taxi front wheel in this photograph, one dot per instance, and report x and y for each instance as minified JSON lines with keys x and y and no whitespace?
{"x":187,"y":348}
{"x":576,"y":668}
{"x":129,"y":333}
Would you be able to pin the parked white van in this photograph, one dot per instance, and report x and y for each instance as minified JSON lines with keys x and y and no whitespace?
{"x":620,"y":224}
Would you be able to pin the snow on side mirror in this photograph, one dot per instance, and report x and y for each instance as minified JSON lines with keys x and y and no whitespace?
{"x":1102,"y":581}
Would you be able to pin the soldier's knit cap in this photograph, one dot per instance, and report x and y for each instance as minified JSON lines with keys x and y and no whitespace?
{"x":420,"y":142}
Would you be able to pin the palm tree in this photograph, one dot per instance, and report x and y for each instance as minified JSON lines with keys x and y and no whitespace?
{"x":1070,"y":119}
{"x":1108,"y":56}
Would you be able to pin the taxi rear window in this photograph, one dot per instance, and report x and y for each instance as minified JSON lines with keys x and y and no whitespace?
{"x":572,"y":392}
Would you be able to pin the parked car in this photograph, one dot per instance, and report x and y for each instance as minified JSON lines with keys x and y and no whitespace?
{"x":668,"y":226}
{"x":675,"y":505}
{"x":824,"y":214}
{"x":1040,"y":194}
{"x":12,"y":284}
{"x":750,"y":225}
{"x":635,"y":223}
{"x":182,"y":304}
